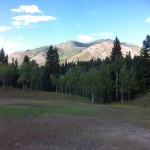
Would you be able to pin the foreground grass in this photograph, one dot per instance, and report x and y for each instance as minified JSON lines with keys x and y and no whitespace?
{"x":50,"y":121}
{"x":17,"y":103}
{"x":42,"y":103}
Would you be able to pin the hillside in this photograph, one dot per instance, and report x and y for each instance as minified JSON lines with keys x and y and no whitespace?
{"x":76,"y":51}
{"x":102,"y":50}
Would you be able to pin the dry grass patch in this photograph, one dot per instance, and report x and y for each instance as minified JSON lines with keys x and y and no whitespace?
{"x":49,"y":121}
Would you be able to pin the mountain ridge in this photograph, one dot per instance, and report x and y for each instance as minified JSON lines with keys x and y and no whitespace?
{"x":73,"y":51}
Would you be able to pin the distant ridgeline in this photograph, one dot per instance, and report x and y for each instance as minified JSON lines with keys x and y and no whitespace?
{"x":73,"y":51}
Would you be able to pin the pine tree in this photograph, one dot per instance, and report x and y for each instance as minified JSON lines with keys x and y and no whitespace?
{"x":116,"y":50}
{"x":16,"y":63}
{"x":51,"y":67}
{"x":128,"y":60}
{"x":6,"y":59}
{"x":3,"y":57}
{"x":26,"y":59}
{"x":145,"y":51}
{"x":146,"y":43}
{"x":142,"y":66}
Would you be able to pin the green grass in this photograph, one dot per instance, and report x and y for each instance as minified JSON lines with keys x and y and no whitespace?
{"x":27,"y":108}
{"x":42,"y":103}
{"x":32,"y":118}
{"x":22,"y":104}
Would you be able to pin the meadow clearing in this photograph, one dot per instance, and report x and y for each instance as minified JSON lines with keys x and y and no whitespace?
{"x":50,"y":121}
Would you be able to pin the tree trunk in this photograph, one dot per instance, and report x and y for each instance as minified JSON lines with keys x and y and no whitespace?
{"x":74,"y":92}
{"x":116,"y":87}
{"x":31,"y":86}
{"x":83,"y":93}
{"x":86,"y":95}
{"x":128,"y":95}
{"x":70,"y":91}
{"x":122,"y":96}
{"x":129,"y":91}
{"x":108,"y":94}
{"x":61,"y":89}
{"x":92,"y":96}
{"x":56,"y":88}
{"x":92,"y":93}
{"x":3,"y":82}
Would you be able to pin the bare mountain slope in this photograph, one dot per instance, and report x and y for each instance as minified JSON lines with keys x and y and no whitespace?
{"x":76,"y":51}
{"x":102,"y":50}
{"x":65,"y":50}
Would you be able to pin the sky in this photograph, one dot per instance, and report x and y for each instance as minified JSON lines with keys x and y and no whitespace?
{"x":28,"y":24}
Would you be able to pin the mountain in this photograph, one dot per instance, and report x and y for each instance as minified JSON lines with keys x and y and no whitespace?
{"x":73,"y":51}
{"x":102,"y":50}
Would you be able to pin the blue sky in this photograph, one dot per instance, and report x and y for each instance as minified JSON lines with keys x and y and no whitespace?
{"x":26,"y":24}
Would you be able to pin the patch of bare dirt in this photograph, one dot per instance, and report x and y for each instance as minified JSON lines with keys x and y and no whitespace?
{"x":71,"y":132}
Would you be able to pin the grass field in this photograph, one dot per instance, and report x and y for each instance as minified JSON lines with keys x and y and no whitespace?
{"x":49,"y":121}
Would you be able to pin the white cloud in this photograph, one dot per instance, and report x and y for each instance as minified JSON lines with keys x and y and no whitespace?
{"x":5,"y":28}
{"x":93,"y":36}
{"x":17,"y":24}
{"x":147,"y":20}
{"x":27,"y":9}
{"x":27,"y":19}
{"x":102,"y":34}
{"x":9,"y":46}
{"x":85,"y":38}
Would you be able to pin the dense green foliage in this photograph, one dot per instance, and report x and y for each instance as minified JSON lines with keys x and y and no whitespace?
{"x":3,"y":57}
{"x":8,"y":72}
{"x":29,"y":76}
{"x":113,"y":79}
{"x":51,"y":67}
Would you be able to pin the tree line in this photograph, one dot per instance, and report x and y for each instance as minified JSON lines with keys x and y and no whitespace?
{"x":114,"y":79}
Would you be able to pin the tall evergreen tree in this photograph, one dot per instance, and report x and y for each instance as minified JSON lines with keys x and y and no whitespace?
{"x":142,"y":66}
{"x":116,"y":50}
{"x":26,"y":59}
{"x":3,"y":57}
{"x":146,"y":43}
{"x":128,"y":60}
{"x":116,"y":58}
{"x":145,"y":51}
{"x":51,"y":67}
